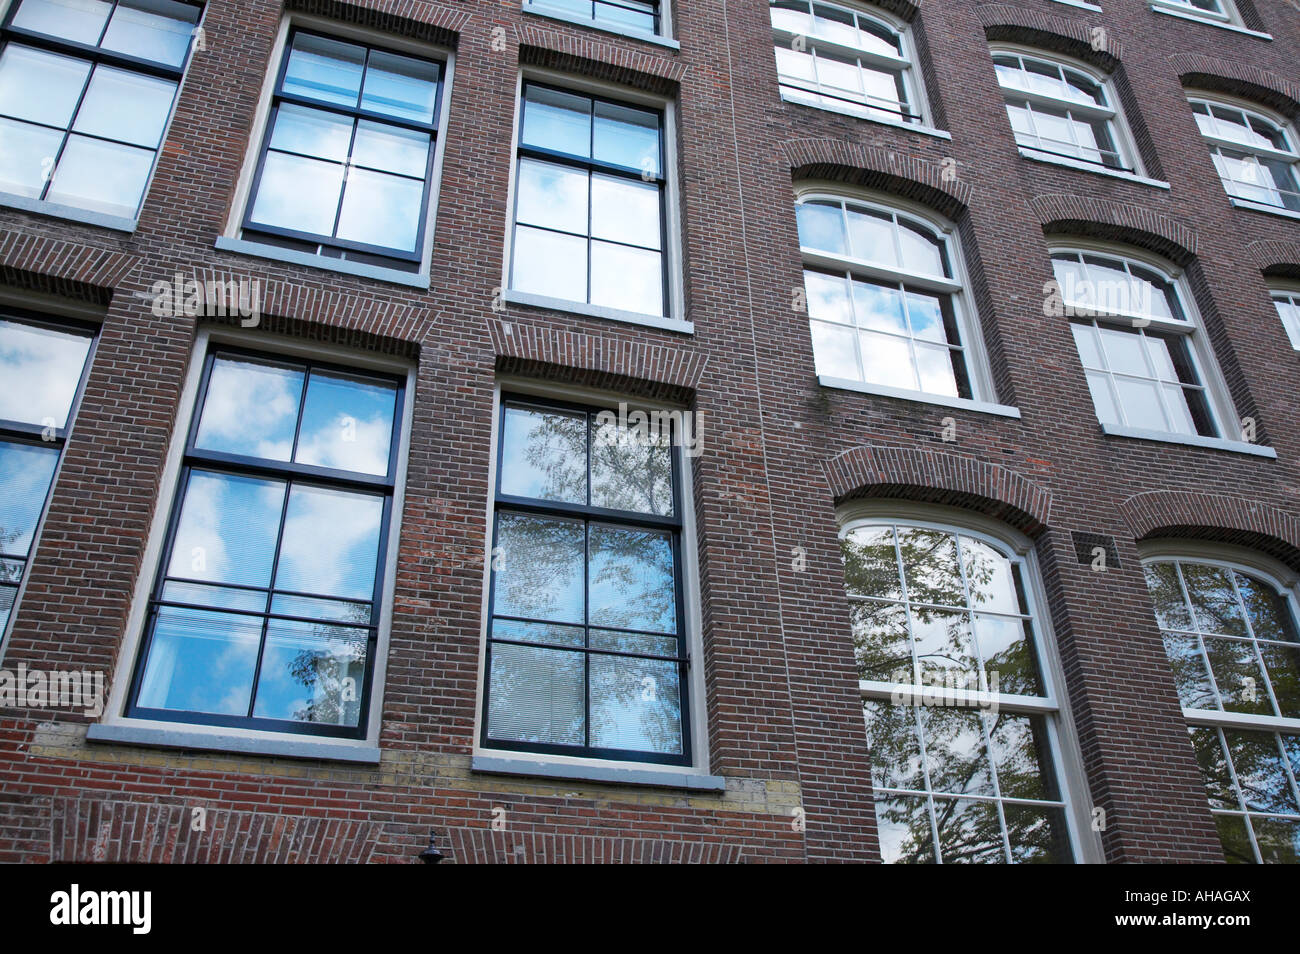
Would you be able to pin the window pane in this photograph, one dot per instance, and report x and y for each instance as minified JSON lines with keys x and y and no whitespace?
{"x":922,"y":253}
{"x":1037,"y":835}
{"x":548,"y":263}
{"x":574,"y":636}
{"x":391,"y":149}
{"x":539,"y":568}
{"x":1261,"y":771}
{"x":126,"y":106}
{"x":536,"y":695}
{"x":834,"y":24}
{"x":969,"y":831}
{"x":635,"y":704}
{"x":625,"y":211}
{"x":930,"y":562}
{"x":43,"y":87}
{"x":312,"y":673}
{"x":870,"y":564}
{"x":101,"y":176}
{"x":1235,"y":839}
{"x":330,"y":543}
{"x":1282,"y":663}
{"x":1167,"y":594}
{"x":217,"y":597}
{"x":1190,"y":673}
{"x":324,"y":69}
{"x":1022,"y":756}
{"x":298,"y":194}
{"x":41,"y":368}
{"x":640,"y":17}
{"x":552,"y":196}
{"x":955,"y":751}
{"x":871,"y":234}
{"x":544,"y":455}
{"x":383,"y":210}
{"x":903,"y":825}
{"x":631,"y":469}
{"x":895,"y":746}
{"x":1214,"y":767}
{"x":1238,"y":676}
{"x":631,"y":581}
{"x":25,"y":474}
{"x":878,"y":307}
{"x":1214,"y":599}
{"x":835,"y":351}
{"x":1278,"y":840}
{"x":557,"y":121}
{"x":26,"y":156}
{"x":880,"y":641}
{"x":347,"y":424}
{"x":201,"y":661}
{"x":627,"y":278}
{"x":81,"y":21}
{"x":1103,"y":398}
{"x":400,"y":86}
{"x":821,"y":226}
{"x":828,"y":297}
{"x":944,"y":648}
{"x":935,"y":365}
{"x":886,"y":360}
{"x":1141,"y":403}
{"x":250,"y":408}
{"x":152,"y":29}
{"x":1007,"y":647}
{"x":627,"y":137}
{"x":227,"y":529}
{"x":313,"y":132}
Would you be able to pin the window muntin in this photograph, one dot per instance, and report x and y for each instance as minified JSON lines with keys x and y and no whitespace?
{"x":86,"y":90}
{"x":347,"y":162}
{"x":265,"y":612}
{"x":586,"y":651}
{"x":835,"y":57}
{"x":643,"y":16}
{"x":42,"y":364}
{"x":1255,"y":156}
{"x":883,"y":302}
{"x":1287,"y":304}
{"x":1056,"y":110}
{"x":955,"y":781}
{"x":1136,"y":344}
{"x":590,"y":202}
{"x":1231,"y":637}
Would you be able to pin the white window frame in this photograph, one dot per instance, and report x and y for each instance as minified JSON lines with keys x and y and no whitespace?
{"x":114,"y":726}
{"x":1226,"y":14}
{"x":906,"y":65}
{"x":983,"y":395}
{"x":1112,"y":113}
{"x":1216,"y":143}
{"x":230,"y":240}
{"x":663,"y":37}
{"x":675,"y":317}
{"x":1289,"y":294}
{"x":1242,"y":559}
{"x":1053,"y":705}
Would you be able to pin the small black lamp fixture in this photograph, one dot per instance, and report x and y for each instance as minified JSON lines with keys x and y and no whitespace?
{"x":431,"y":855}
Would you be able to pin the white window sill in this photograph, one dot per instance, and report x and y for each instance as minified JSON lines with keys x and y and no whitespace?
{"x":119,"y":223}
{"x":294,"y":257}
{"x":613,"y":28}
{"x":1081,"y":4}
{"x":1093,"y":168}
{"x":846,"y":111}
{"x":1264,"y":207}
{"x":613,"y":774}
{"x":1192,"y":440}
{"x":1210,"y":21}
{"x":921,"y":397}
{"x":151,"y":735}
{"x":598,"y":311}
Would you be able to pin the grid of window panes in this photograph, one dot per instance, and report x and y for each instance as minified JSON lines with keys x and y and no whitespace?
{"x":838,"y":58}
{"x":1213,"y":9}
{"x":1288,"y":310}
{"x":589,"y":205}
{"x":641,"y":15}
{"x":42,"y":365}
{"x":1254,"y":156}
{"x":1058,"y":111}
{"x":266,"y":608}
{"x":955,"y":782}
{"x":586,"y":648}
{"x":86,"y":90}
{"x":1250,"y":778}
{"x":348,"y":157}
{"x":1136,"y":351}
{"x":872,"y":328}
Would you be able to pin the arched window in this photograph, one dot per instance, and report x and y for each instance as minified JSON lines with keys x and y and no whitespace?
{"x":841,"y":58}
{"x":962,"y":719}
{"x":1059,"y":110}
{"x":1231,"y":636}
{"x":884,"y":298}
{"x":1254,"y":153}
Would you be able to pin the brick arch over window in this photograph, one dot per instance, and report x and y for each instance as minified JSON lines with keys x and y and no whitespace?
{"x":63,"y":268}
{"x":1113,"y":221}
{"x":929,"y":183}
{"x":931,"y":476}
{"x":1216,"y":517}
{"x":1238,"y":78}
{"x":1048,"y":32}
{"x":1275,"y":258}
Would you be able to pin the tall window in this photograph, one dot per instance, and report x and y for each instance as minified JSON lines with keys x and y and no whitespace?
{"x":837,"y":57}
{"x":1256,"y":156}
{"x":589,"y":202}
{"x":1287,"y":303}
{"x":1138,"y":345}
{"x":42,"y":364}
{"x":266,"y":607}
{"x":637,"y":16}
{"x":1058,"y":110}
{"x":586,"y":640}
{"x":1231,"y":637}
{"x":884,"y":300}
{"x":347,"y":160}
{"x":86,"y":90}
{"x":960,"y":714}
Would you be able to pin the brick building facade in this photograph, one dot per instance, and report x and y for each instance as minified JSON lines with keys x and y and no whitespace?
{"x":764,"y":757}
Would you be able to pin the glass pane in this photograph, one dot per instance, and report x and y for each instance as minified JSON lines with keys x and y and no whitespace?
{"x":840,"y":74}
{"x":383,"y":210}
{"x":922,"y":252}
{"x":298,"y":194}
{"x":539,"y":568}
{"x":630,"y":279}
{"x":1268,"y":611}
{"x":821,"y":226}
{"x":871,"y":235}
{"x":944,"y":649}
{"x":312,"y":673}
{"x":156,"y":30}
{"x":347,"y":424}
{"x":938,"y":369}
{"x":887,"y":361}
{"x":552,"y":196}
{"x":1037,"y":835}
{"x":25,"y":474}
{"x":870,"y":564}
{"x":1282,"y":664}
{"x":201,"y":661}
{"x":81,"y":21}
{"x":26,"y":157}
{"x":635,"y":704}
{"x":989,"y":577}
{"x":574,"y":636}
{"x":969,"y":831}
{"x":632,"y":580}
{"x":1238,"y":676}
{"x":1007,"y":647}
{"x":400,"y":86}
{"x":1103,"y":397}
{"x":324,"y":69}
{"x":550,"y":264}
{"x":217,"y":597}
{"x":101,"y":176}
{"x":834,"y":24}
{"x":835,"y":351}
{"x":930,"y":562}
{"x":41,"y":368}
{"x":7,"y":594}
{"x":126,"y":106}
{"x":227,"y":529}
{"x":791,"y":16}
{"x":625,"y":210}
{"x":330,"y":544}
{"x":1125,"y":352}
{"x":1022,"y":756}
{"x":1141,"y":403}
{"x":631,"y":467}
{"x":903,"y":826}
{"x":1190,"y":673}
{"x":391,"y":149}
{"x":640,"y":17}
{"x":334,"y":611}
{"x":955,"y":751}
{"x":1278,"y":840}
{"x":250,"y":408}
{"x":880,"y":641}
{"x":313,"y":132}
{"x":1261,"y":772}
{"x":894,"y":744}
{"x":43,"y":87}
{"x":544,"y":455}
{"x":627,"y":137}
{"x":1167,"y":595}
{"x":557,"y":121}
{"x":925,"y":313}
{"x":828,"y":297}
{"x":1214,"y":768}
{"x":878,"y":307}
{"x":536,"y":695}
{"x":1235,"y":839}
{"x":1214,"y":599}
